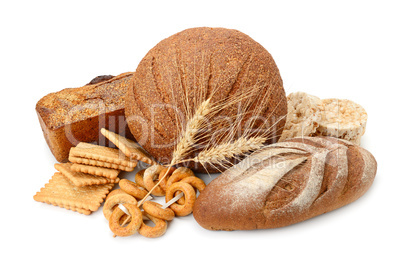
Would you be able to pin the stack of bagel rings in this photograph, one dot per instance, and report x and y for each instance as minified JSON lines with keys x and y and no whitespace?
{"x":121,"y":205}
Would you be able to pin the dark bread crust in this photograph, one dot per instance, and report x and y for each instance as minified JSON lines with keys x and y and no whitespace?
{"x":76,"y":115}
{"x":193,"y":63}
{"x":219,"y":207}
{"x":99,"y":79}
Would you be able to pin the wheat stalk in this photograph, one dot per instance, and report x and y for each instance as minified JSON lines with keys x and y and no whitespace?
{"x":188,"y":139}
{"x":193,"y":126}
{"x":228,"y":145}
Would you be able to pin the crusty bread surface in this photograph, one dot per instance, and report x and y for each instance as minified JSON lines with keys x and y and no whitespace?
{"x":183,"y":70}
{"x":75,"y":115}
{"x":286,"y":183}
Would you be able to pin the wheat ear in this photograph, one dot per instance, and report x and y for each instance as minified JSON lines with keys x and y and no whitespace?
{"x":187,"y":140}
{"x":192,"y":128}
{"x":218,"y":154}
{"x":229,"y":150}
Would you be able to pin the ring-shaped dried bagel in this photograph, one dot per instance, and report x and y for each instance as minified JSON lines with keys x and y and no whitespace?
{"x":112,"y":202}
{"x":196,"y":182}
{"x":132,"y":227}
{"x":151,"y":174}
{"x":189,"y":195}
{"x":165,"y":170}
{"x":132,"y":188}
{"x":152,"y":232}
{"x":114,"y":192}
{"x":178,"y":175}
{"x":155,"y":209}
{"x":139,"y":178}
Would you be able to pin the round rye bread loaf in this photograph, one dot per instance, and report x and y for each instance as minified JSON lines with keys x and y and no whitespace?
{"x":285,"y":183}
{"x":192,"y":66}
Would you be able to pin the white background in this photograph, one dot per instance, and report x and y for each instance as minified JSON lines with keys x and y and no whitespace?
{"x":347,"y":49}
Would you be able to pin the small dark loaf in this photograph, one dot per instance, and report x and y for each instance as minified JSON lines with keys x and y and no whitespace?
{"x":188,"y":66}
{"x":286,"y":183}
{"x":75,"y":115}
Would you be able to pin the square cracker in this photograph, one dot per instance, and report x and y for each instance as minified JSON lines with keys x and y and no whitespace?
{"x":101,"y":153}
{"x":61,"y":192}
{"x":79,"y":210}
{"x":130,"y":148}
{"x":97,"y":163}
{"x":97,"y":171}
{"x":82,"y":179}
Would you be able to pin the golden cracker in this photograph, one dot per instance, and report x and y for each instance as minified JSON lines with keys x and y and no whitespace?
{"x":82,"y":179}
{"x":97,"y":171}
{"x":97,"y":163}
{"x":101,"y":153}
{"x":130,"y":148}
{"x":60,"y":191}
{"x":79,"y":210}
